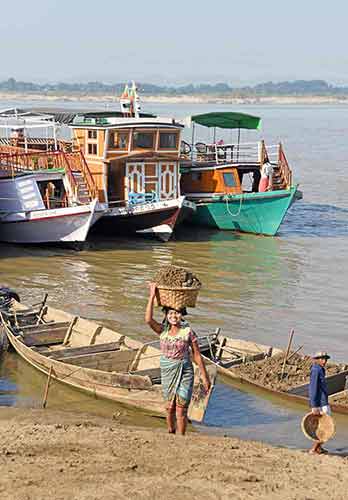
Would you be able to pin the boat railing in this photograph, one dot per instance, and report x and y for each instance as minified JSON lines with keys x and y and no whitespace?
{"x":284,"y":170}
{"x":142,"y":198}
{"x":10,"y":149}
{"x":16,"y":162}
{"x":34,"y":144}
{"x":78,"y":163}
{"x":242,"y":153}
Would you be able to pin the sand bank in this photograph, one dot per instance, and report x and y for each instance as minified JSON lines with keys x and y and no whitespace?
{"x":55,"y":455}
{"x":180,"y":99}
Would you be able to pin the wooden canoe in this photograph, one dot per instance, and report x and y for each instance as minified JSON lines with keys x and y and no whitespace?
{"x":227,"y":353}
{"x":90,"y":357}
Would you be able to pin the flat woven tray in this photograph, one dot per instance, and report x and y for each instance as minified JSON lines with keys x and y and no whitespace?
{"x":318,"y":427}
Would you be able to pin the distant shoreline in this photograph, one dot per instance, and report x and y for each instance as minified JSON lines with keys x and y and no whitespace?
{"x":180,"y":99}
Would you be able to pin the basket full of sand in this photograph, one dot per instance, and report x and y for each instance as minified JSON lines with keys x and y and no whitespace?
{"x":318,"y":427}
{"x":176,"y":287}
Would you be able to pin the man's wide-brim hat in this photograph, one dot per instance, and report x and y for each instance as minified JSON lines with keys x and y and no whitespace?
{"x":321,"y":355}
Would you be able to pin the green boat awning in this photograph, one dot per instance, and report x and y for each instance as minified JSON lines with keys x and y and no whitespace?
{"x":227,"y":120}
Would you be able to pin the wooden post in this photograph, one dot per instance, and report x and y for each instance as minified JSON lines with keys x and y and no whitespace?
{"x":42,"y":309}
{"x":15,"y":318}
{"x":287,"y":351}
{"x":136,"y":360}
{"x":70,"y":329}
{"x":220,"y":349}
{"x":44,"y":401}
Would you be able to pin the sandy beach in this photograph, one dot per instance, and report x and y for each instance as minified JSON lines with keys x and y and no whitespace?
{"x":59,"y":455}
{"x":178,"y":99}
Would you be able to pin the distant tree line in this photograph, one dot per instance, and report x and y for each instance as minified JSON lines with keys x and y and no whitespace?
{"x":288,"y":88}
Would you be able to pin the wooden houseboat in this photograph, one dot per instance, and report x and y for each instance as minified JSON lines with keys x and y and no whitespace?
{"x":133,"y":159}
{"x":224,"y":179}
{"x":47,"y":194}
{"x":135,"y":164}
{"x":43,"y":200}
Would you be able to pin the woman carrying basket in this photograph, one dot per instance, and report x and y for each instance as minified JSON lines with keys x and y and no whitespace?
{"x":176,"y":341}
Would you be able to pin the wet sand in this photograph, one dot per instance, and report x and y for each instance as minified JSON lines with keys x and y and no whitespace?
{"x":59,"y":455}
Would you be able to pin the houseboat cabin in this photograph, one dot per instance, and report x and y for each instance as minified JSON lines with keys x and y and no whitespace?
{"x":209,"y":181}
{"x":231,"y":168}
{"x":132,"y":160}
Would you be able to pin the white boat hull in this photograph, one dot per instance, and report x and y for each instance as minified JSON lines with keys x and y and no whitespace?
{"x":61,"y":225}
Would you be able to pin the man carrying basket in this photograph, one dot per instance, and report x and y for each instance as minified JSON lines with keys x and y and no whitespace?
{"x":318,"y":393}
{"x":177,"y":342}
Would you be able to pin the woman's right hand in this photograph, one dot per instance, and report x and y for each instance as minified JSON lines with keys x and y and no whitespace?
{"x":206,"y":385}
{"x":152,"y":287}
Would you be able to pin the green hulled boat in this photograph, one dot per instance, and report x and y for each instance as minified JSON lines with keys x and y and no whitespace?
{"x":259,"y":213}
{"x":213,"y":176}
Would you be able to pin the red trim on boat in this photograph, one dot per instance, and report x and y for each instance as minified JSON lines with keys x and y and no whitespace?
{"x":45,"y":218}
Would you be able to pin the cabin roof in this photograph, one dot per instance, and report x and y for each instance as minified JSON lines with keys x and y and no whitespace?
{"x":84,"y":118}
{"x":227,"y":119}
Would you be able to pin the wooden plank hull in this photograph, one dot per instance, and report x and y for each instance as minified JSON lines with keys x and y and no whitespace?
{"x":92,"y":358}
{"x":95,"y":382}
{"x":297,"y":395}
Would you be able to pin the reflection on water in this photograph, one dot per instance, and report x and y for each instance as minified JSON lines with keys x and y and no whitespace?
{"x":313,"y":220}
{"x":23,"y":386}
{"x":110,"y":279}
{"x":253,"y":287}
{"x":236,"y":413}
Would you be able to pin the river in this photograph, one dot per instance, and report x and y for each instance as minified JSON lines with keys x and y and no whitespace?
{"x":253,"y":287}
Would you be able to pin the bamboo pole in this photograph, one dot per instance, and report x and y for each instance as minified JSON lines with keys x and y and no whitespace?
{"x":44,"y":401}
{"x":42,"y":309}
{"x":287,"y":352}
{"x":295,"y":352}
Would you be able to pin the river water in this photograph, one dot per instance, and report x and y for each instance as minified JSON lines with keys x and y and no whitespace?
{"x":254,"y":287}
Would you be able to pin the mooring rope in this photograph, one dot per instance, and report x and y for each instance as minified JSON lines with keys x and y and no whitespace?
{"x":228,"y":208}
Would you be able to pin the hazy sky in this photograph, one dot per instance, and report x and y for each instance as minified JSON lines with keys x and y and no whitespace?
{"x":240,"y":42}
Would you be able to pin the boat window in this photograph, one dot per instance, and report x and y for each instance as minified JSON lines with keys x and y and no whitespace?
{"x":53,"y":193}
{"x":143,"y":140}
{"x":118,"y":140}
{"x":196,"y":176}
{"x":92,"y":134}
{"x":92,"y":149}
{"x":168,"y":140}
{"x":229,"y":179}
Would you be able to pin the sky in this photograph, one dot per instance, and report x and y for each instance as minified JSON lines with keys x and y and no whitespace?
{"x":174,"y":42}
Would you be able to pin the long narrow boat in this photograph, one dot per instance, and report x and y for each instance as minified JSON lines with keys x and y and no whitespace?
{"x":229,"y":354}
{"x":98,"y":360}
{"x":92,"y":357}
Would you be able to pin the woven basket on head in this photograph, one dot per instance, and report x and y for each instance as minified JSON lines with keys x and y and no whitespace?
{"x":177,"y":298}
{"x":318,"y":427}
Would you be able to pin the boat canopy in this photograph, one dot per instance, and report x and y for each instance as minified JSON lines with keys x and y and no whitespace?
{"x":227,"y":119}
